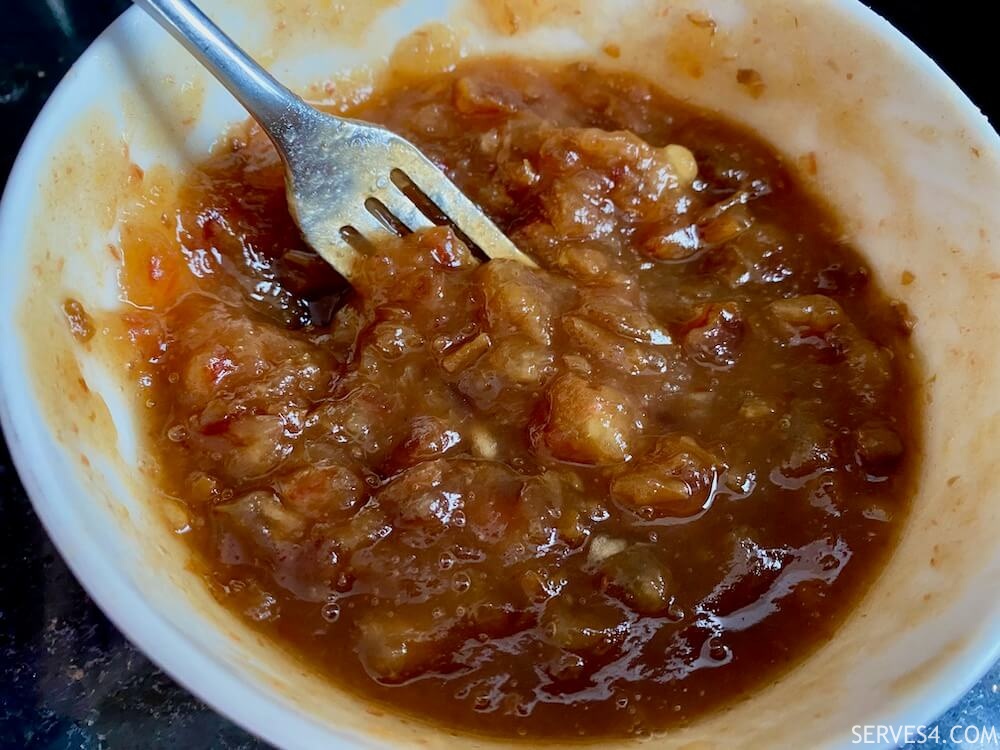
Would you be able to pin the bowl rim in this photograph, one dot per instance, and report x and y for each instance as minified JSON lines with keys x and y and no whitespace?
{"x":189,"y":663}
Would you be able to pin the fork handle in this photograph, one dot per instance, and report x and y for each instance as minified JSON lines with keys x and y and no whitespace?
{"x":271,"y":104}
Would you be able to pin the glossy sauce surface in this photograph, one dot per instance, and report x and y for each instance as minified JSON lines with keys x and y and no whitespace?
{"x":596,"y":499}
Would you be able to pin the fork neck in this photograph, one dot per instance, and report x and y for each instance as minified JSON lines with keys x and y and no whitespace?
{"x":278,"y":110}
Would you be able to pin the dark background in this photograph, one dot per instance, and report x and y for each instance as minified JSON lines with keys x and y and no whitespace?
{"x":68,"y":679}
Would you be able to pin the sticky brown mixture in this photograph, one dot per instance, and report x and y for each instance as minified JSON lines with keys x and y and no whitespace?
{"x":595,"y":499}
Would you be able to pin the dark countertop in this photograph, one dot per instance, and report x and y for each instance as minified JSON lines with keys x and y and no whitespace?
{"x":68,"y":678}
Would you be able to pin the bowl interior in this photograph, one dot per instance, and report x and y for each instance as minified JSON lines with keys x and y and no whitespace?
{"x":900,"y":153}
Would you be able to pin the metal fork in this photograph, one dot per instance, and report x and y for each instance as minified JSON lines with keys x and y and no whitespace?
{"x":346,"y":180}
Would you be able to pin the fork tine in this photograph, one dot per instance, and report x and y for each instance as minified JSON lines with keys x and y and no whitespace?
{"x":403,"y":208}
{"x":367,"y":225}
{"x":460,"y":210}
{"x":338,"y":253}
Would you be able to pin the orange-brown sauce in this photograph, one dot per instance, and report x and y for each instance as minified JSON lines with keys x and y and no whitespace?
{"x":595,"y":499}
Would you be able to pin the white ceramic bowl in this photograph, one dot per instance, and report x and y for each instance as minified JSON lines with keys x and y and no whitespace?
{"x":901,"y":153}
